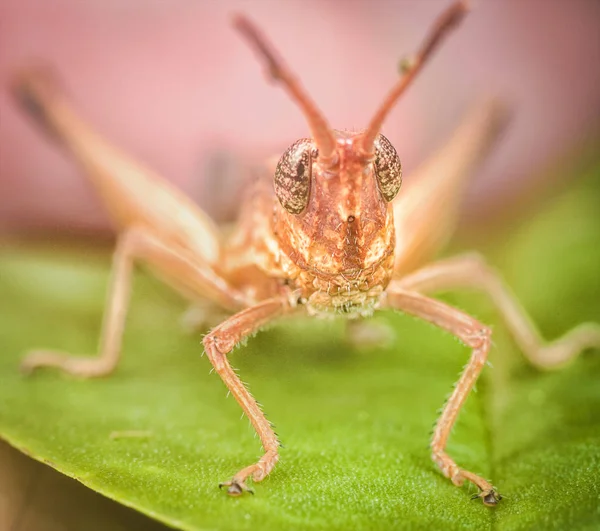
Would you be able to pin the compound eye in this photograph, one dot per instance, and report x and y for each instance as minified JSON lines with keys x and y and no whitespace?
{"x":293,"y":176}
{"x":388,"y":169}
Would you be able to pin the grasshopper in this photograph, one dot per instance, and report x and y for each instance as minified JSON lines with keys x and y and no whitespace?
{"x":325,"y":235}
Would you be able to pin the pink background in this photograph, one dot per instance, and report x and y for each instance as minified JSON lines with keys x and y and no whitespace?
{"x":172,"y":83}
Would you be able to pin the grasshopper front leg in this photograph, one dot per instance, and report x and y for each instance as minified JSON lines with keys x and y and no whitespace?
{"x":218,"y":344}
{"x":192,"y":278}
{"x":471,"y":271}
{"x":473,"y":334}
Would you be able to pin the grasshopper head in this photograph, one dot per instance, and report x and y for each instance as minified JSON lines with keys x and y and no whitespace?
{"x":334,"y":189}
{"x":336,"y":218}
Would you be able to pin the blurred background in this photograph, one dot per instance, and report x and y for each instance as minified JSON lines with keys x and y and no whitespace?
{"x":171,"y":83}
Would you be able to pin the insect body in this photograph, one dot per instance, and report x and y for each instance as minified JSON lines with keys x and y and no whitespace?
{"x":325,"y":235}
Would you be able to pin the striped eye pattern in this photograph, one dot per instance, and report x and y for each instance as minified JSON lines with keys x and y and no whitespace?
{"x":293,"y":176}
{"x":388,"y":170}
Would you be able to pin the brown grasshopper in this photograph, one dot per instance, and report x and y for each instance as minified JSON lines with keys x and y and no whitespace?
{"x":323,"y":237}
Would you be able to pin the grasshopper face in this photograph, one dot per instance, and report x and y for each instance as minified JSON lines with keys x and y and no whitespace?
{"x":336,"y":219}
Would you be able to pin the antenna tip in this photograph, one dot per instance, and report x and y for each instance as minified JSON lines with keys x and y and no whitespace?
{"x":458,"y":11}
{"x":465,"y":5}
{"x":259,"y":42}
{"x":246,"y":27}
{"x":239,"y":21}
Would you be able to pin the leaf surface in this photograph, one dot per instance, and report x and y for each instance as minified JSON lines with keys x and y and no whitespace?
{"x":160,"y":434}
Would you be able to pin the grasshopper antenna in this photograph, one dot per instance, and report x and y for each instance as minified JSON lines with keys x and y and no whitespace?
{"x":320,"y":129}
{"x":447,"y":21}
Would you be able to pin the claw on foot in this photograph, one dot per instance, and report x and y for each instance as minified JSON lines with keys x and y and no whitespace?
{"x":489,"y":497}
{"x":487,"y":492}
{"x":236,"y":488}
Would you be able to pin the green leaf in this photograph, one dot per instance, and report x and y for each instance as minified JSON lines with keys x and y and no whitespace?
{"x":355,"y":421}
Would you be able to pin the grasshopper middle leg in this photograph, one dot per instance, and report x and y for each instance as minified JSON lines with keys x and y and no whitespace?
{"x":472,"y":271}
{"x":141,"y":245}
